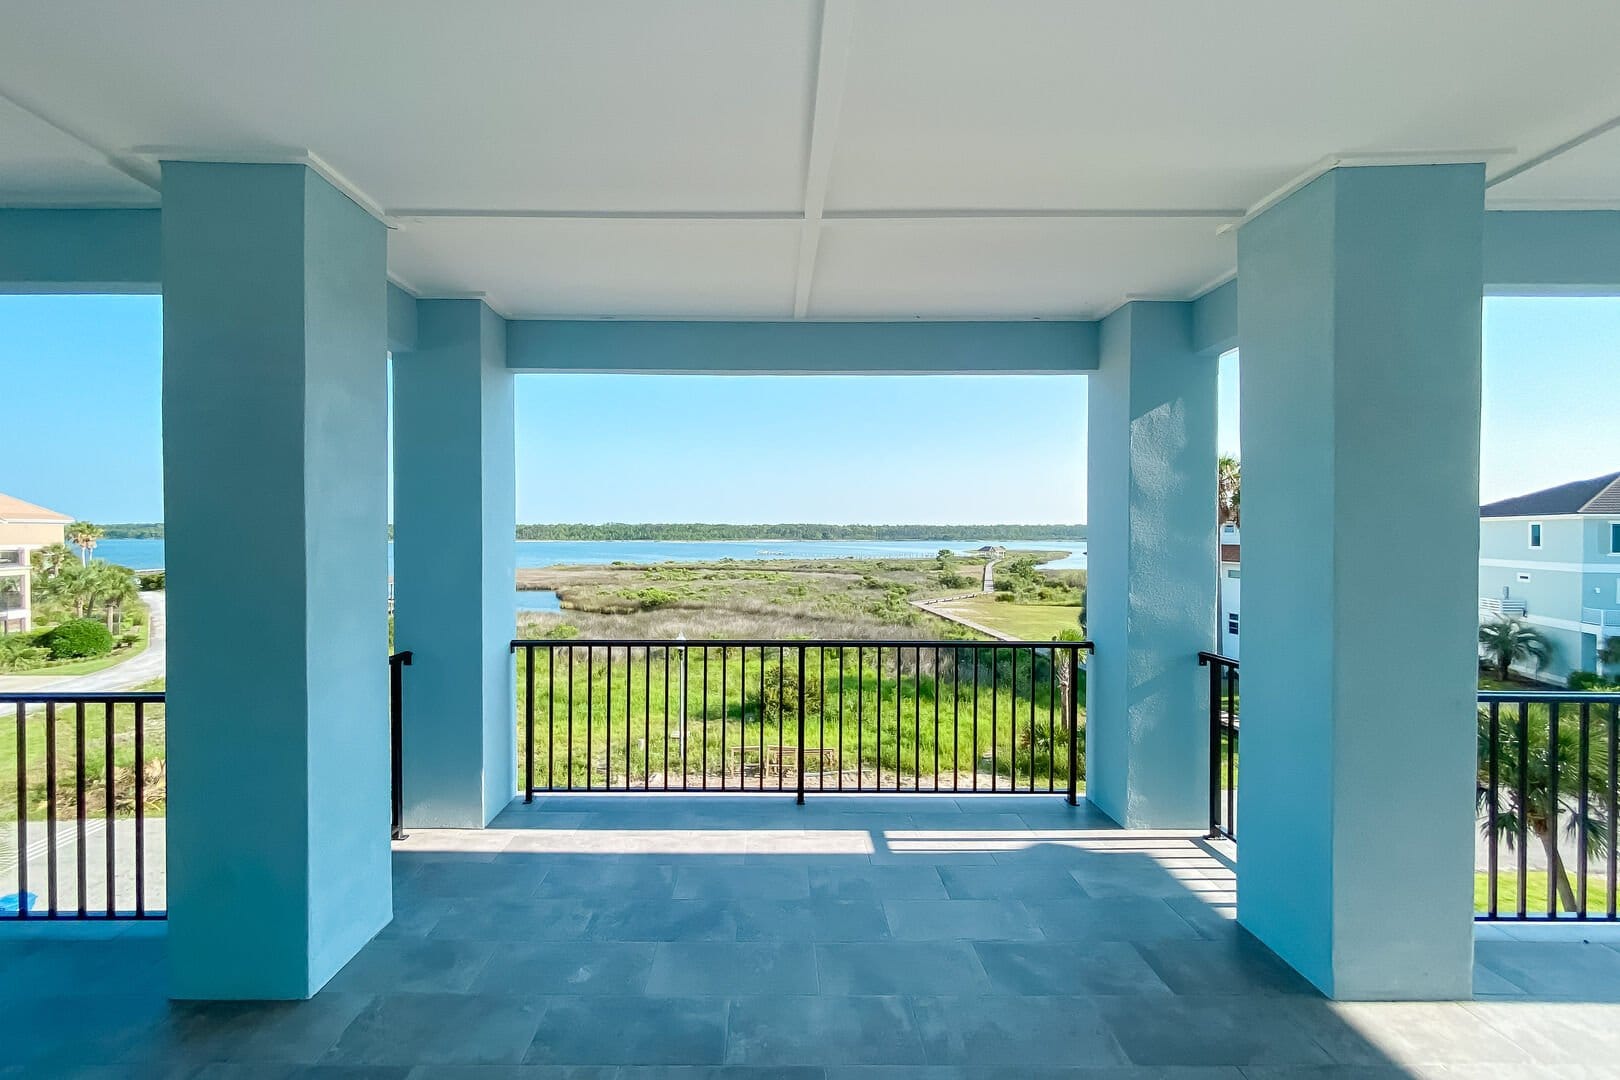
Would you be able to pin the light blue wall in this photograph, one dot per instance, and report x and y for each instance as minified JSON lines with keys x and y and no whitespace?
{"x":455,"y":509}
{"x":1151,"y":553}
{"x":401,"y":319}
{"x":1215,"y":320}
{"x":1360,"y":321}
{"x":1552,"y":252}
{"x":79,"y":251}
{"x":274,"y":452}
{"x":1562,"y":582}
{"x":795,"y":348}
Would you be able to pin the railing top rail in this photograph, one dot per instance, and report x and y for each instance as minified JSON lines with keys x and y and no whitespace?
{"x":1535,"y":697}
{"x":1207,"y":658}
{"x":403,"y":657}
{"x":112,"y":698}
{"x":793,"y":643}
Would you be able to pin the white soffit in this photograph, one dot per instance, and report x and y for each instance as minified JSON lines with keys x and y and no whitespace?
{"x":1012,"y":269}
{"x":539,"y":268}
{"x":859,"y":158}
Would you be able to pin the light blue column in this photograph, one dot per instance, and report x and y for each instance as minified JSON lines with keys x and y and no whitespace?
{"x":1359,"y":319}
{"x":274,"y":458}
{"x":455,"y":519}
{"x":1151,"y":559}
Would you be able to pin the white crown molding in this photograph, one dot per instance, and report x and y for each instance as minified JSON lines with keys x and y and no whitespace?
{"x":1514,"y":205}
{"x":1556,"y":151}
{"x":1368,"y":160}
{"x":305,"y":157}
{"x":424,"y":214}
{"x":138,"y":171}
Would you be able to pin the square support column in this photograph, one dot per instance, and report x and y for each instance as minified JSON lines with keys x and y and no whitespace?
{"x":1152,"y":563}
{"x":275,"y":482}
{"x":1359,"y":318}
{"x":455,"y":523}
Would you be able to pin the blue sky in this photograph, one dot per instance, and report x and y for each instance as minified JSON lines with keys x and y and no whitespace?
{"x":81,"y":407}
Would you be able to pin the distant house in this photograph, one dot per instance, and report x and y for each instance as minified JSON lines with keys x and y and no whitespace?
{"x":23,"y":527}
{"x":1231,"y":582}
{"x":1552,"y":558}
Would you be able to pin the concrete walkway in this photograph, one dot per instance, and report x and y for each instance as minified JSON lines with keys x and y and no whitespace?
{"x":150,"y":664}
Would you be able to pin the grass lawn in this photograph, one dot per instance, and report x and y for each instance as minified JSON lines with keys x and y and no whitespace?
{"x":1507,"y":892}
{"x":95,"y":756}
{"x":1027,"y":622}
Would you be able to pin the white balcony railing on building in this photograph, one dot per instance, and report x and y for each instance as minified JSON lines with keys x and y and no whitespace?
{"x":1496,"y":606}
{"x":1603,"y":619}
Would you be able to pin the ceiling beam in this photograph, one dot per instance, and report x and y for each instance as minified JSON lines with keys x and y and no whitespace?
{"x":832,"y":65}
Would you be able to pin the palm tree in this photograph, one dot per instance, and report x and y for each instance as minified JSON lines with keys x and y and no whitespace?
{"x":1229,"y":489}
{"x":111,"y":587}
{"x":1507,"y":641}
{"x":1525,"y":798}
{"x":84,"y":536}
{"x":1609,"y":656}
{"x":49,"y":561}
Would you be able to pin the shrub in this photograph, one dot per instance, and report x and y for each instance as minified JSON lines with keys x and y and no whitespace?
{"x":19,"y":652}
{"x":781,"y":701}
{"x":950,"y":579}
{"x":1589,"y":681}
{"x":562,"y":631}
{"x":152,"y":582}
{"x":653,"y":597}
{"x":128,"y":638}
{"x":78,"y":638}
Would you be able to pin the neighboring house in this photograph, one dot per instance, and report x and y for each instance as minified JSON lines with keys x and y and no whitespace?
{"x":1231,"y":580}
{"x":1552,"y":558}
{"x":23,"y":527}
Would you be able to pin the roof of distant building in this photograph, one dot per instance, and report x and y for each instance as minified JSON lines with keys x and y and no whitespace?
{"x":1599,"y":495}
{"x":14,"y":511}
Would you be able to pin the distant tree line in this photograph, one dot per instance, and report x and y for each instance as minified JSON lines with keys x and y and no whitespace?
{"x":798,"y":531}
{"x":134,"y":530}
{"x":701,"y":531}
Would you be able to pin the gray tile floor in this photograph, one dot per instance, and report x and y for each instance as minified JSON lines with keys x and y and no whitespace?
{"x":906,"y":939}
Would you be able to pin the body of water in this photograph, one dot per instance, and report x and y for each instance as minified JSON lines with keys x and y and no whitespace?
{"x":148,"y":554}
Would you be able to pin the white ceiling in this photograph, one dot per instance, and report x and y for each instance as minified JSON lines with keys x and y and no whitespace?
{"x":840,"y":159}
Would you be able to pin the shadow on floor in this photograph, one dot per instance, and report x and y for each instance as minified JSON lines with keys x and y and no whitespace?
{"x":855,"y":937}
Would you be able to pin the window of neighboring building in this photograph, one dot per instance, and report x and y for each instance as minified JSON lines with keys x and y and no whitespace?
{"x":10,"y":595}
{"x":1232,"y":625}
{"x":1524,"y":577}
{"x":1234,"y":574}
{"x":1614,"y":538}
{"x":1535,"y":534}
{"x":11,"y":557}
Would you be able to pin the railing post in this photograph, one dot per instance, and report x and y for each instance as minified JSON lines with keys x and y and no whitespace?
{"x":800,"y":796}
{"x":1072,"y":707}
{"x":528,"y":717}
{"x":396,"y":740}
{"x":1214,"y":747}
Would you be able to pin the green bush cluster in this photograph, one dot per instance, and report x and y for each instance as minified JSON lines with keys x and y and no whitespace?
{"x":781,"y":700}
{"x":153,"y":582}
{"x":78,"y":639}
{"x":21,"y":652}
{"x":1591,"y":682}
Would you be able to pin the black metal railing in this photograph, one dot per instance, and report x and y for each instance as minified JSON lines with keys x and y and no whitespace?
{"x":89,"y":780}
{"x":397,"y":663}
{"x":801,"y":716}
{"x":1547,"y":793}
{"x":1223,"y":744}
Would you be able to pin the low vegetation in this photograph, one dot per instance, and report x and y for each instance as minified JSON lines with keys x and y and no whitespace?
{"x":964,"y":715}
{"x":98,"y":755}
